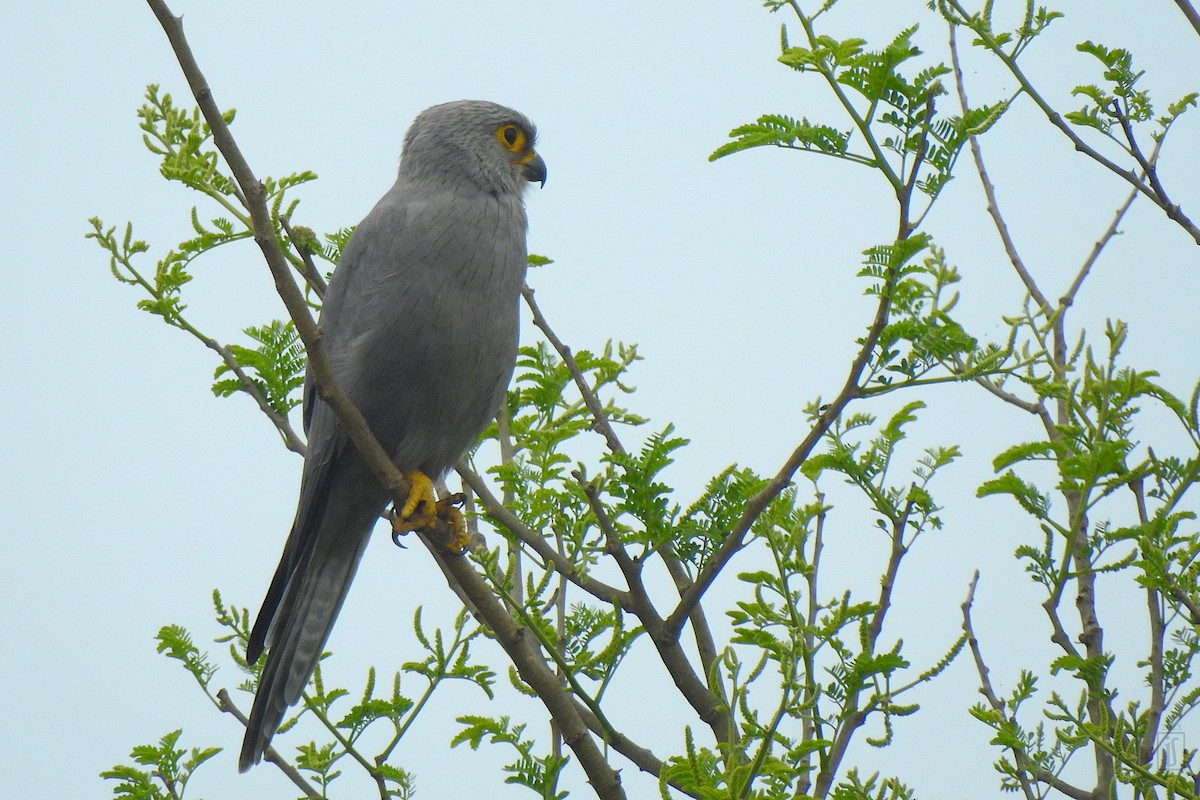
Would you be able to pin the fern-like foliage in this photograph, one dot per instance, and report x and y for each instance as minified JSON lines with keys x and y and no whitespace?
{"x":276,"y":366}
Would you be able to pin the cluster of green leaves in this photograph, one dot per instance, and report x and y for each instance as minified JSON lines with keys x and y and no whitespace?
{"x":1120,"y":102}
{"x":892,"y":111}
{"x":539,"y":773}
{"x":545,"y":418}
{"x":276,"y":366}
{"x":921,"y":335}
{"x":170,"y":768}
{"x":1117,"y":107}
{"x":182,"y":141}
{"x":448,"y":658}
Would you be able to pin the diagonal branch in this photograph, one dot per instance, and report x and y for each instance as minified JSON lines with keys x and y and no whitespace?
{"x":600,"y":421}
{"x":703,"y":701}
{"x":1189,"y":11}
{"x":989,"y":189}
{"x":226,"y":704}
{"x":783,"y":478}
{"x":536,"y":542}
{"x":512,"y":637}
{"x":1069,"y":298}
{"x":1173,"y":212}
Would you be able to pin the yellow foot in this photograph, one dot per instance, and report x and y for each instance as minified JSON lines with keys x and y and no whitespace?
{"x":447,"y":510}
{"x":419,"y":510}
{"x":422,"y":512}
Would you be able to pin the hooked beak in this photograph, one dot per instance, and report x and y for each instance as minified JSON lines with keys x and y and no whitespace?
{"x":533,"y":168}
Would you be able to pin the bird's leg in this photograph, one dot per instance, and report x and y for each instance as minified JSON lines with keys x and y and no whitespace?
{"x":421,"y":511}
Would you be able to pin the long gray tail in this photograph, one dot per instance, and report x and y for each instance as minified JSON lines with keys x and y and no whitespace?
{"x":313,"y":595}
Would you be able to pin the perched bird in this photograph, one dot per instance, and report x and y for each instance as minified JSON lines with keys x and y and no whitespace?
{"x":420,"y":324}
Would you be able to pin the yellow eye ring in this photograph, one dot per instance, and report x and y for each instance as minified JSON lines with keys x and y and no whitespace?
{"x":511,"y":138}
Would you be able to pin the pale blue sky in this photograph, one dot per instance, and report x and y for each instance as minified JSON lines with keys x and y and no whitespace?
{"x":129,"y":492}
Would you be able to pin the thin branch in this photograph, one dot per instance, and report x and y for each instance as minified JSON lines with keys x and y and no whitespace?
{"x":705,"y":644}
{"x":696,"y":691}
{"x":532,"y":667}
{"x":1172,"y":211}
{"x":860,"y":123}
{"x":536,"y":542}
{"x":600,"y":421}
{"x":888,"y":582}
{"x":1068,"y":298}
{"x":1158,"y":631}
{"x":1023,"y":763}
{"x":1149,"y":171}
{"x":811,"y":725}
{"x":271,"y":755}
{"x":291,"y":440}
{"x":1189,"y":11}
{"x":642,"y":758}
{"x":783,"y":478}
{"x":989,"y":190}
{"x":508,"y":454}
{"x":904,"y":194}
{"x":631,"y":570}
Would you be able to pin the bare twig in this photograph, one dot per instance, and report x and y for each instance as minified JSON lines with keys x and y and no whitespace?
{"x":1069,"y":298}
{"x":271,"y":755}
{"x":291,"y":440}
{"x":529,"y":663}
{"x":642,"y":758}
{"x":1024,"y":765}
{"x":600,"y":421}
{"x":989,"y":189}
{"x":1130,"y":176}
{"x":783,"y":478}
{"x":598,"y":589}
{"x":1189,"y":11}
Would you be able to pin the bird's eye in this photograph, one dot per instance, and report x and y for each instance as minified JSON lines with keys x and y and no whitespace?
{"x":511,"y":137}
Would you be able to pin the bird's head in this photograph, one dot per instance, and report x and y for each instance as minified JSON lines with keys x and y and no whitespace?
{"x":475,"y":141}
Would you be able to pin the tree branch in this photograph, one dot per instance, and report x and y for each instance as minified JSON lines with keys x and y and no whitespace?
{"x":600,"y":421}
{"x":501,"y":514}
{"x":272,"y":755}
{"x":783,"y":478}
{"x":1172,"y":211}
{"x":989,"y":189}
{"x":533,"y":669}
{"x":1023,"y":764}
{"x":1189,"y":11}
